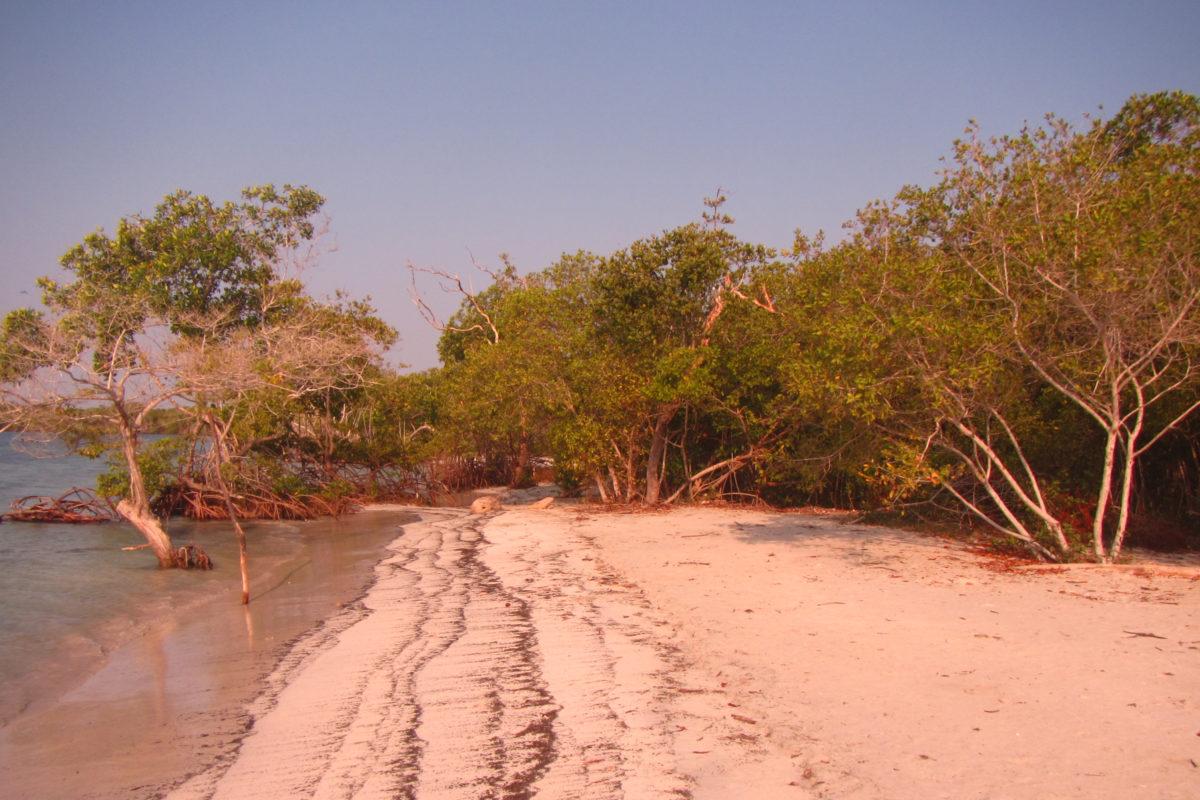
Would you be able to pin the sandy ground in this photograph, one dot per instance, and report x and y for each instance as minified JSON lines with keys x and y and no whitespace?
{"x":565,"y":653}
{"x":893,"y":666}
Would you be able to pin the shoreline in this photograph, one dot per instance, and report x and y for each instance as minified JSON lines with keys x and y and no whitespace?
{"x":491,"y":658}
{"x":169,"y":697}
{"x":105,"y":636}
{"x":709,"y":653}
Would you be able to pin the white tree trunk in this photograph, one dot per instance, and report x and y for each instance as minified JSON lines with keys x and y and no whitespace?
{"x":600,"y":487}
{"x":1110,"y":450}
{"x":136,"y":508}
{"x":151,"y":529}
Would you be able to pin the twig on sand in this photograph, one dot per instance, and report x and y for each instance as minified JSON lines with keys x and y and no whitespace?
{"x":1136,"y":634}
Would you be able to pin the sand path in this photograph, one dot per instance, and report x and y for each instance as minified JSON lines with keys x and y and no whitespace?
{"x":718,"y":653}
{"x":506,"y":666}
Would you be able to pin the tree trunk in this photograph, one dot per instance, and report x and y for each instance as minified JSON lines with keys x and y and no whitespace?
{"x":630,"y":472}
{"x":1126,"y":486}
{"x":243,"y":558}
{"x":658,"y":447}
{"x":522,"y":476}
{"x":693,"y":481}
{"x":151,"y":529}
{"x":1110,"y":448}
{"x":600,"y":487}
{"x":136,"y":508}
{"x":222,"y":457}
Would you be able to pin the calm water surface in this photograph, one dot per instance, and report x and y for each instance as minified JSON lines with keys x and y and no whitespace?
{"x":69,"y":595}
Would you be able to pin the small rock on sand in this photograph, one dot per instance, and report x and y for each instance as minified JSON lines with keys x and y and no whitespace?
{"x":483,"y":505}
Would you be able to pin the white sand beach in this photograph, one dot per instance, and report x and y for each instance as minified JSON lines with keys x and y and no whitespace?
{"x":574,"y":652}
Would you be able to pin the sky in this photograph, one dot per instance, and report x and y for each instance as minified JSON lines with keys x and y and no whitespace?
{"x":442,"y":132}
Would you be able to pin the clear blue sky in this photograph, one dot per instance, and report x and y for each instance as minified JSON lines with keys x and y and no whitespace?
{"x":531,"y":128}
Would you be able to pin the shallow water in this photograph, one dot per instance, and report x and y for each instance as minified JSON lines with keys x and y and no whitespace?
{"x":69,"y":596}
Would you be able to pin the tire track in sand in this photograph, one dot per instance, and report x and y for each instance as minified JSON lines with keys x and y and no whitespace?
{"x":432,"y":690}
{"x":501,"y":667}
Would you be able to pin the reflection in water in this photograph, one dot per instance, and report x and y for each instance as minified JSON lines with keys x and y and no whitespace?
{"x":154,"y":708}
{"x":156,"y":657}
{"x":174,"y":699}
{"x":249,"y":627}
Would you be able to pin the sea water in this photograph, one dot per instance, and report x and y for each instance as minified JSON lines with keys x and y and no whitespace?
{"x":69,"y":594}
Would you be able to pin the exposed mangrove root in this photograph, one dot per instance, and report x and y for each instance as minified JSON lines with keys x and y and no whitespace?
{"x":204,"y":504}
{"x":78,"y":506}
{"x":190,"y":556}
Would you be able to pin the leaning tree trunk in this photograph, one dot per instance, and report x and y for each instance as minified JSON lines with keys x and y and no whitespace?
{"x":136,"y":507}
{"x":139,"y":516}
{"x":600,"y":486}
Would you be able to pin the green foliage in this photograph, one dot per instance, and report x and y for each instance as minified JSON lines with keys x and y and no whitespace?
{"x":188,"y":307}
{"x":22,"y":342}
{"x":1152,"y":120}
{"x":1043,"y":290}
{"x":945,"y":350}
{"x":159,"y":462}
{"x":191,"y":257}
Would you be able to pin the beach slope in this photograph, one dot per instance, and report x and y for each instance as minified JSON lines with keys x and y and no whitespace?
{"x":565,"y":653}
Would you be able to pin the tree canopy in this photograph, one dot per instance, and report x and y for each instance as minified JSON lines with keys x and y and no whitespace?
{"x":1017,"y":342}
{"x":1018,"y":339}
{"x":188,"y":305}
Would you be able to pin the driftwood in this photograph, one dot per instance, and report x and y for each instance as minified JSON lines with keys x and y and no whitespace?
{"x":78,"y":506}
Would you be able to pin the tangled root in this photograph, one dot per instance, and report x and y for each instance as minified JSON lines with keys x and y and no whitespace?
{"x":191,"y":556}
{"x":78,"y":506}
{"x":210,"y":504}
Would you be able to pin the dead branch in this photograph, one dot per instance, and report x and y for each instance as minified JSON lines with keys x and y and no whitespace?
{"x":451,"y":283}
